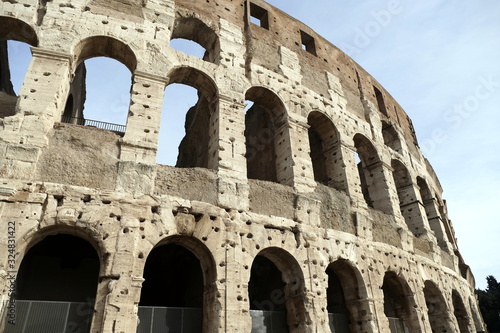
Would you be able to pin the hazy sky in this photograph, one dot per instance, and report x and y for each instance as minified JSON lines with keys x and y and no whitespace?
{"x":439,"y":59}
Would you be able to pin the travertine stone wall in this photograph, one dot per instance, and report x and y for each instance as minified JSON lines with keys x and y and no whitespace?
{"x":390,"y":233}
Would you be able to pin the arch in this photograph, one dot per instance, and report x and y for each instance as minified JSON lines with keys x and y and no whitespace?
{"x":264,"y":134}
{"x":193,"y":29}
{"x":180,"y":275}
{"x":460,"y":312}
{"x":391,"y":137}
{"x":437,"y":310}
{"x":277,"y":284}
{"x":345,"y":290}
{"x":105,"y":46}
{"x":326,"y":156}
{"x":15,"y":29}
{"x":58,"y":280}
{"x":193,"y":150}
{"x":399,"y":304}
{"x":368,"y":157}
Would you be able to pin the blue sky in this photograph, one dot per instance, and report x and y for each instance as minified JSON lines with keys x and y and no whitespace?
{"x":439,"y":60}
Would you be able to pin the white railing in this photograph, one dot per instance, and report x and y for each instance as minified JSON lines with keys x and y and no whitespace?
{"x":46,"y":316}
{"x":171,"y":320}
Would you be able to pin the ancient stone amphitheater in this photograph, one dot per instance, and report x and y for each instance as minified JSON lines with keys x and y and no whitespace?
{"x":310,"y":210}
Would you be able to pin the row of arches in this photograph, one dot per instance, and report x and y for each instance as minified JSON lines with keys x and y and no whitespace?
{"x":268,"y":153}
{"x":180,"y":275}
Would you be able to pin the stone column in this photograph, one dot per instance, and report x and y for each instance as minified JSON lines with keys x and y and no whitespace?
{"x":380,"y":184}
{"x":40,"y":104}
{"x":299,"y":154}
{"x":227,"y":152}
{"x":139,"y":146}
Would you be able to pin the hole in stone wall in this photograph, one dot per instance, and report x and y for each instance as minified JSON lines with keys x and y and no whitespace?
{"x":259,"y":16}
{"x":308,"y":43}
{"x":189,"y":47}
{"x":195,"y":30}
{"x":59,"y":268}
{"x":100,"y":91}
{"x":15,"y":58}
{"x":183,"y":137}
{"x":173,"y":278}
{"x":380,"y":101}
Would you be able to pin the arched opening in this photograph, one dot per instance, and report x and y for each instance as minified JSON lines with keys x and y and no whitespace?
{"x":325,"y":151}
{"x":437,"y":311}
{"x":264,"y":135}
{"x":275,"y":293}
{"x":192,"y":36}
{"x":460,"y":312}
{"x":100,"y":85}
{"x":366,"y":158}
{"x":16,"y":37}
{"x":57,"y":284}
{"x":391,"y":138}
{"x":192,"y":91}
{"x":398,"y":304}
{"x":404,"y":187}
{"x":343,"y":295}
{"x":176,"y":294}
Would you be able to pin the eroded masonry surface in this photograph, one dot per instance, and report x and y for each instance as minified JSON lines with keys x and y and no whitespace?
{"x":300,"y":201}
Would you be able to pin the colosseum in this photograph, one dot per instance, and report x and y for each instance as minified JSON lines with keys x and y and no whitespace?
{"x":300,"y":201}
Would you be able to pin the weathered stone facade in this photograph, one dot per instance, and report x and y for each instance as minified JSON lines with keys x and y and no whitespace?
{"x":279,"y":182}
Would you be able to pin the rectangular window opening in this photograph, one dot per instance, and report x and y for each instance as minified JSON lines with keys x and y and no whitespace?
{"x":259,"y":16}
{"x":380,"y":101}
{"x":308,"y":43}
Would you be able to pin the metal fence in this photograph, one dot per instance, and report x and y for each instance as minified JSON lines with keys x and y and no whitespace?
{"x":119,"y":129}
{"x":169,"y":320}
{"x":44,"y":316}
{"x":339,"y":323}
{"x":268,"y":322}
{"x":397,"y":325}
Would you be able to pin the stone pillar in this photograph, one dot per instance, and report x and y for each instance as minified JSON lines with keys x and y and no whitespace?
{"x":336,"y":168}
{"x":351,"y":174}
{"x":139,"y":146}
{"x":282,"y":147}
{"x":436,"y":224}
{"x":40,"y":104}
{"x":412,"y":210}
{"x":301,"y":166}
{"x":227,"y":152}
{"x":380,"y":184}
{"x":362,"y":312}
{"x":119,"y":288}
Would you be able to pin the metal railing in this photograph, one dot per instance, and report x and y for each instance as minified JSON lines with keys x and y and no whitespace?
{"x":178,"y":320}
{"x":117,"y":128}
{"x":397,"y":325}
{"x":268,"y":321}
{"x":339,"y":323}
{"x":46,"y":316}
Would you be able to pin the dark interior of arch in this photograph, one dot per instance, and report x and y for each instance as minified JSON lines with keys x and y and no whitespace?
{"x":265,"y":289}
{"x":261,"y":123}
{"x":195,"y":146}
{"x":395,"y":299}
{"x":73,"y":109}
{"x":195,"y":30}
{"x":460,"y":312}
{"x":172,"y":278}
{"x":59,"y":268}
{"x":391,"y":138}
{"x":335,"y":294}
